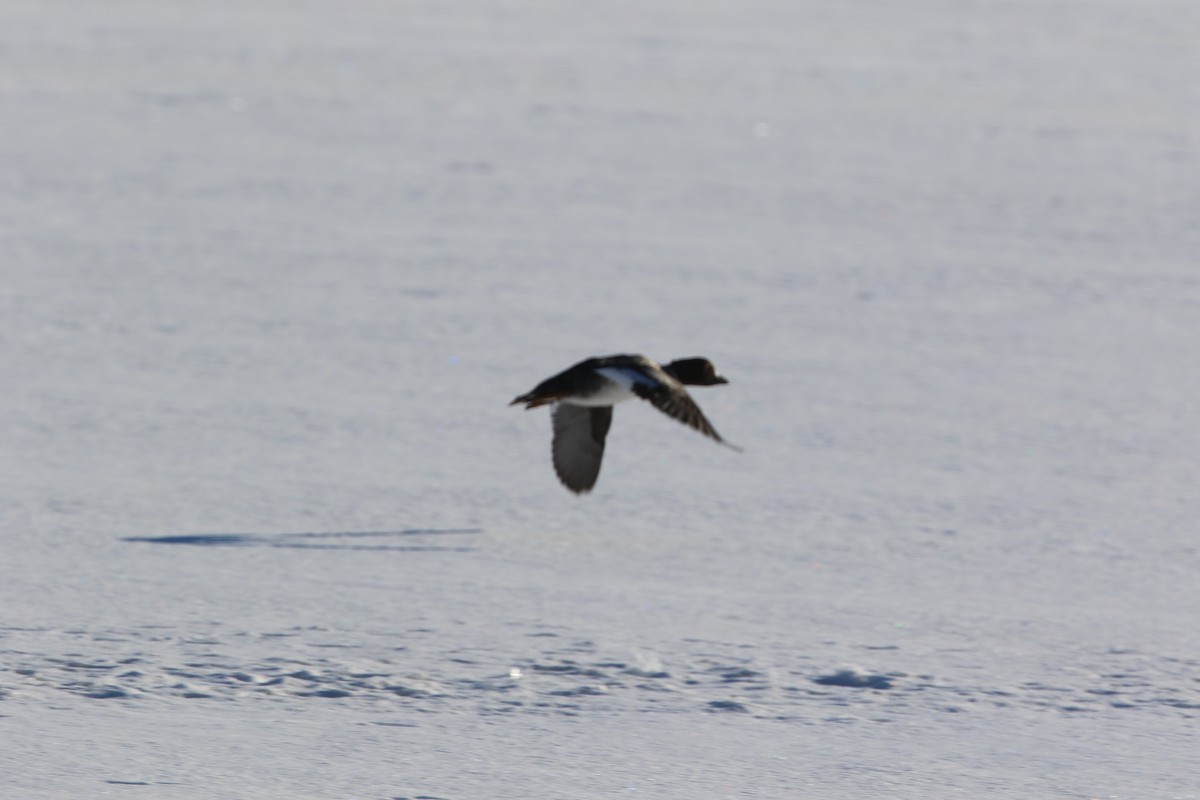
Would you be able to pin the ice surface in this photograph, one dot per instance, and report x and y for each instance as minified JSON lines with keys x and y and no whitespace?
{"x":272,"y":271}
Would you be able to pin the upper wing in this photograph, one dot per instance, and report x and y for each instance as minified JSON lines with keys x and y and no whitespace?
{"x":578,"y":446}
{"x":674,"y":401}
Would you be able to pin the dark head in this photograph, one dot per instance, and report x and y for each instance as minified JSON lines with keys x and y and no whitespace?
{"x":694,"y":372}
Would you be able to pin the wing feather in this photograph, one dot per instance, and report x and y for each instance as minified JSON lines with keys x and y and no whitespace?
{"x":674,"y":401}
{"x":578,"y":446}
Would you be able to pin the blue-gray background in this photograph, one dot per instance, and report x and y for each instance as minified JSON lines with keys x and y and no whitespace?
{"x":274,"y":269}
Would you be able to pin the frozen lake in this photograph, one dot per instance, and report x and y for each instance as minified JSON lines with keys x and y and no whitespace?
{"x":271,"y":273}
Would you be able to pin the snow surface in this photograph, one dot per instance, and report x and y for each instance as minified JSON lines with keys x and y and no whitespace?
{"x":272,"y":271}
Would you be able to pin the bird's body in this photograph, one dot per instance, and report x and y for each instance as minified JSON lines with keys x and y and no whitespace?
{"x":616,"y":387}
{"x":583,"y":397}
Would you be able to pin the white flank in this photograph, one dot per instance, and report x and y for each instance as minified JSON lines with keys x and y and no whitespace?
{"x":621,"y":381}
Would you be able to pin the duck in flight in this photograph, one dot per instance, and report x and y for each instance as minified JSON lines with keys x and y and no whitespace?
{"x":582,"y":397}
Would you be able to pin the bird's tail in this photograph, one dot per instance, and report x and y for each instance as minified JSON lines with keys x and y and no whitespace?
{"x":532,"y":400}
